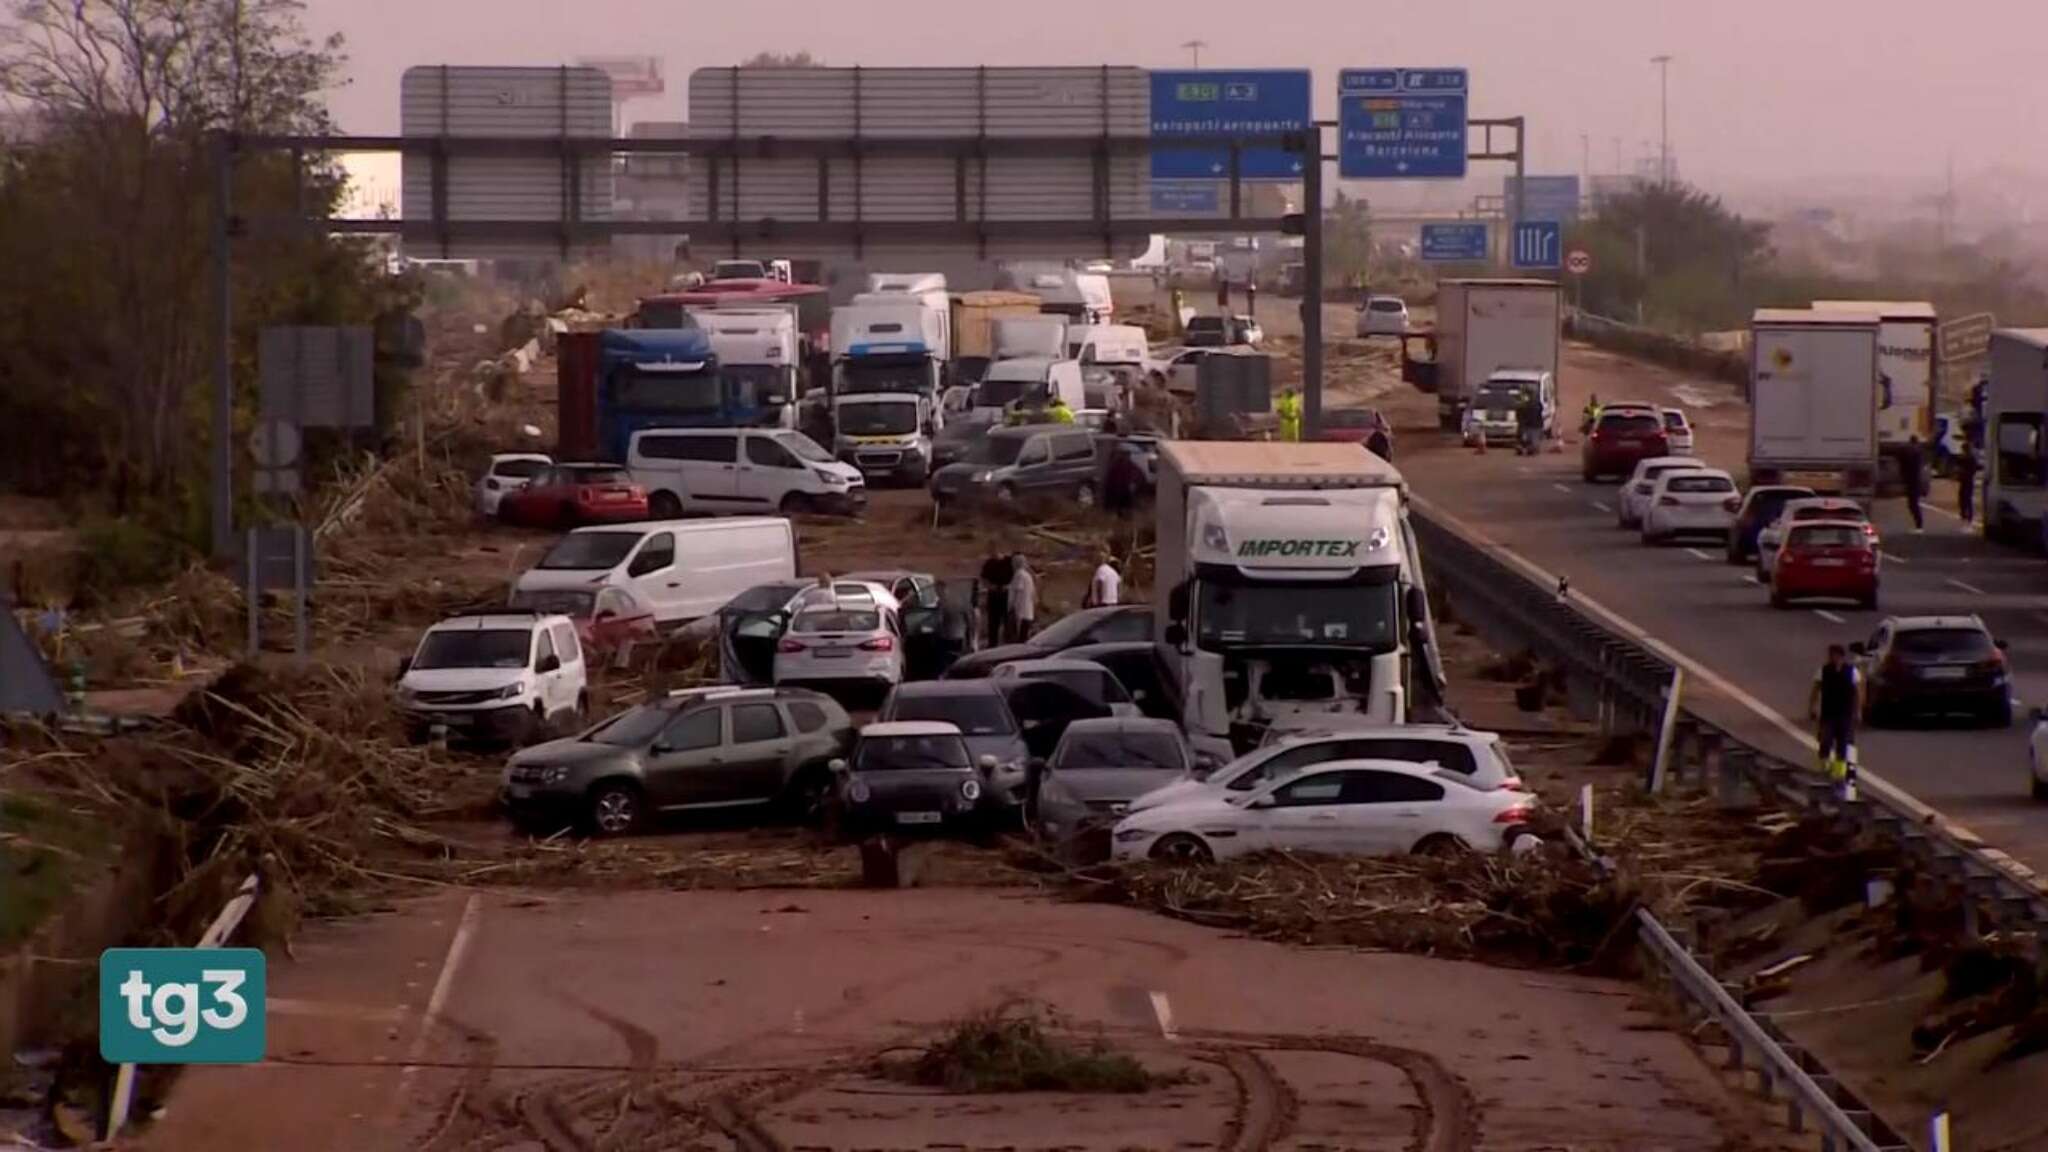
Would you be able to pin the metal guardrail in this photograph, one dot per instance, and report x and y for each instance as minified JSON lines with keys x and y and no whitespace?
{"x":1623,"y":681}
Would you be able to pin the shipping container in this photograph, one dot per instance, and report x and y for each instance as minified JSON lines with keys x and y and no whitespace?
{"x":974,"y":317}
{"x":490,"y":102}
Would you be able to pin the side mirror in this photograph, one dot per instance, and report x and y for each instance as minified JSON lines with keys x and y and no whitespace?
{"x":1177,"y":603}
{"x":1859,"y":648}
{"x":1418,"y":606}
{"x":549,"y":663}
{"x":404,"y":666}
{"x":1176,"y":634}
{"x":836,"y":766}
{"x":1999,"y":644}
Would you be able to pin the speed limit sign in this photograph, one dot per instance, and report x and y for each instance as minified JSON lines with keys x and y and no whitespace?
{"x":1578,"y":262}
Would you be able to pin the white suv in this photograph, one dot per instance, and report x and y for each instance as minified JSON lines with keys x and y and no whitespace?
{"x":495,"y":677}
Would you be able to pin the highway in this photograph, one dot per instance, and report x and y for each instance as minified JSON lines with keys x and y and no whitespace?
{"x":1691,"y":599}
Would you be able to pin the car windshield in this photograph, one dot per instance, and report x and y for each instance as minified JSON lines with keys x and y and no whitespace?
{"x":1354,"y":616}
{"x":474,"y":648}
{"x":1945,"y":644}
{"x":997,"y":393}
{"x":1120,"y":750}
{"x":837,"y":620}
{"x":1502,"y":395}
{"x":1850,"y":512}
{"x":995,"y":451}
{"x":589,"y":551}
{"x":1829,"y":537}
{"x":1674,"y":421}
{"x":1066,"y":631}
{"x":518,"y":469}
{"x":1384,"y":304}
{"x":632,"y":728}
{"x":553,"y":601}
{"x":909,"y":753}
{"x":804,"y":447}
{"x":1630,"y":424}
{"x":599,"y":476}
{"x":757,"y":383}
{"x":1768,"y":504}
{"x":884,"y":374}
{"x":877,"y":419}
{"x":976,"y":714}
{"x":1094,"y":683}
{"x":1348,"y":418}
{"x":1697,"y":484}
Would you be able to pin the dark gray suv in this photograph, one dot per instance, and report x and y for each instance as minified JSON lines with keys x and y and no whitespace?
{"x":702,"y":748}
{"x":1042,"y":460}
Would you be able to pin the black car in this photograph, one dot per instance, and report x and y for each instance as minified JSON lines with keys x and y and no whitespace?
{"x":714,"y":748}
{"x":1759,"y":507}
{"x":1007,"y":721}
{"x":907,"y":776}
{"x":1136,"y":664}
{"x":1098,"y":768}
{"x":1934,"y":664}
{"x":1113,"y":624}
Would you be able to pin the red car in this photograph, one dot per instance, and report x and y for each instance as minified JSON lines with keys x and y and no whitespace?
{"x":567,"y":495}
{"x":1831,"y":559}
{"x":1620,"y":440}
{"x":1350,"y":425}
{"x":610,"y":622}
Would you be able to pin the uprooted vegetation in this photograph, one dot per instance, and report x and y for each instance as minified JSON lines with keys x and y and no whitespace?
{"x":1013,"y":1049}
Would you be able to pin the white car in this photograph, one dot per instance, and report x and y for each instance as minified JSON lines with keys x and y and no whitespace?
{"x":1635,"y":493}
{"x":2037,"y":755}
{"x":502,"y":676}
{"x":1772,"y":537}
{"x":1690,"y":502}
{"x":1383,"y":316}
{"x":508,"y":472}
{"x":851,"y":641}
{"x":1677,"y":430}
{"x":1477,"y":757}
{"x":1344,"y":807}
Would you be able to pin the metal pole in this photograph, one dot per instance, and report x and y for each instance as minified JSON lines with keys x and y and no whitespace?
{"x":223,"y":355}
{"x":252,"y":593}
{"x":1312,"y":300}
{"x":1663,"y":64}
{"x":300,"y":623}
{"x":1521,"y":161}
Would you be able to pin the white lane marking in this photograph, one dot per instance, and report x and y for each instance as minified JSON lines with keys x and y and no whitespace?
{"x":1163,"y":1012}
{"x":1893,"y":559}
{"x":1827,"y":615}
{"x":1698,"y":555}
{"x":1972,"y":589}
{"x":1602,"y":507}
{"x":1750,"y":577}
{"x":1696,"y":670}
{"x":1939,"y":511}
{"x":1564,"y":488}
{"x":465,"y":931}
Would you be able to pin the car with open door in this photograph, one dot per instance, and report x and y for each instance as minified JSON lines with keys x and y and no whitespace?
{"x":935,"y":622}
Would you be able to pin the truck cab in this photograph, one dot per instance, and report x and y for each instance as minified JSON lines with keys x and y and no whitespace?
{"x":611,"y":384}
{"x":1289,"y":584}
{"x":886,"y":380}
{"x":887,"y":435}
{"x":757,"y":354}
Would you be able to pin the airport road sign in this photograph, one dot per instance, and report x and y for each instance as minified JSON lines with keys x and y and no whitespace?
{"x":1217,"y":102}
{"x":1402,"y":123}
{"x":1460,"y":243}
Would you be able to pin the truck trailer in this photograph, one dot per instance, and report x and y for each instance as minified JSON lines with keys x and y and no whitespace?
{"x":1484,"y":326}
{"x":1289,"y":582}
{"x":2015,"y":447}
{"x":1907,"y":379}
{"x":1813,"y":400}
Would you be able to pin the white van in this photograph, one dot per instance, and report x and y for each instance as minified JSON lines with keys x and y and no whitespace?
{"x":1030,"y":381}
{"x":1109,"y":344}
{"x":678,"y":570}
{"x":727,"y":471}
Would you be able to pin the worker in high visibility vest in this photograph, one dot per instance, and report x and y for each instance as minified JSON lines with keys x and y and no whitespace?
{"x":1591,"y":416}
{"x":1289,"y":409}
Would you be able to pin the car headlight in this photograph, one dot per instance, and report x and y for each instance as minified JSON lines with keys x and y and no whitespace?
{"x":554,"y":774}
{"x":1127,"y":835}
{"x":858,"y":792}
{"x":512,"y":691}
{"x":405,"y":693}
{"x":983,"y":476}
{"x":829,"y":477}
{"x":970,"y":790}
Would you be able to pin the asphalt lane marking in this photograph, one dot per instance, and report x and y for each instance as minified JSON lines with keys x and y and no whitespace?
{"x":1827,"y":615}
{"x":1602,"y":507}
{"x":1939,"y":511}
{"x":1750,"y":577}
{"x":1163,"y":1012}
{"x":1893,"y":559}
{"x":458,"y":948}
{"x":1972,"y":589}
{"x":1698,"y":555}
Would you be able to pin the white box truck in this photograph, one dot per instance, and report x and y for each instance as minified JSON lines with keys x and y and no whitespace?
{"x":886,"y":373}
{"x":2015,"y":447}
{"x":1813,"y":400}
{"x":1288,"y":581}
{"x":1484,"y":326}
{"x":1907,"y":367}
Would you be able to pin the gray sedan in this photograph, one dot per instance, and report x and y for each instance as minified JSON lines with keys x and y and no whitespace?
{"x":1099,"y":767}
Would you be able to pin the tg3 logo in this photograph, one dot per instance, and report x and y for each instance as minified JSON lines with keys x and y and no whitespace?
{"x":182,"y":1005}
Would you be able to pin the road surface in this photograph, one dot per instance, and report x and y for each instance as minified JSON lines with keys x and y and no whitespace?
{"x":745,"y":1019}
{"x":1711,"y":611}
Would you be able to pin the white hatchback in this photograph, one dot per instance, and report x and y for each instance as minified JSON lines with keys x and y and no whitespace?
{"x":1344,"y":807}
{"x":1383,"y":316}
{"x":508,"y":472}
{"x":1635,"y":493}
{"x":1677,"y":430}
{"x":854,"y":641}
{"x":1691,"y":502}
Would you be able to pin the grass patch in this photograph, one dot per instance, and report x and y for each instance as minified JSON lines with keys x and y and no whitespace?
{"x":1003,"y":1052}
{"x":44,"y":849}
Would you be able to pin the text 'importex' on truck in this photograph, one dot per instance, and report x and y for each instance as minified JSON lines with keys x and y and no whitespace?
{"x":1289,"y":582}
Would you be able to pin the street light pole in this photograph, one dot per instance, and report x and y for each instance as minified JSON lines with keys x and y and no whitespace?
{"x":1663,"y":63}
{"x":1194,"y":48}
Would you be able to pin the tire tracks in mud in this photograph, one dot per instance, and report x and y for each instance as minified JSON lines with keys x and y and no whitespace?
{"x":1448,"y":1120}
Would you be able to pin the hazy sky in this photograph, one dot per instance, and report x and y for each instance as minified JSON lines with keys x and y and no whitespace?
{"x":1773,"y":91}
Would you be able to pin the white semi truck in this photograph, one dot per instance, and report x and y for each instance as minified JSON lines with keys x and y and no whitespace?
{"x":1289,"y":581}
{"x":1485,"y":326}
{"x":756,"y":347}
{"x":1813,"y":400}
{"x":2016,"y":438}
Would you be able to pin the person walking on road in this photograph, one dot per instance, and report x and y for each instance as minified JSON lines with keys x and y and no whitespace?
{"x":1966,"y":485}
{"x":1591,"y":415}
{"x":1106,"y":587}
{"x":1912,"y":474}
{"x":1120,"y":485}
{"x":996,"y":573}
{"x":1835,"y":701}
{"x":1222,"y":292}
{"x":1288,"y":407}
{"x":1251,"y":299}
{"x":1023,"y":599}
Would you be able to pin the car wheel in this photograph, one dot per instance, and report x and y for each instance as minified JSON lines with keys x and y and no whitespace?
{"x":615,"y":808}
{"x":579,"y":715}
{"x":535,"y":727}
{"x":1006,"y":494}
{"x":1182,"y":848}
{"x":1084,"y":494}
{"x":797,"y":504}
{"x":803,"y":798}
{"x":664,"y":505}
{"x":1867,"y":603}
{"x":1999,"y":715}
{"x":2040,"y":788}
{"x":1441,"y":846}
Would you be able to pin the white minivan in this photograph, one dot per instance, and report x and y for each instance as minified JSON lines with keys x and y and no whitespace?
{"x":724,"y":471}
{"x":677,"y":570}
{"x":1028,"y":382}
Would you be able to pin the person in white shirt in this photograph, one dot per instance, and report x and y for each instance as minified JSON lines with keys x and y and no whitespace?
{"x":1023,"y":600}
{"x":1106,"y":587}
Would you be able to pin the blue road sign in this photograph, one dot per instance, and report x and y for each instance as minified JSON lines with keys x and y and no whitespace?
{"x":1544,"y":197}
{"x":1538,"y":244}
{"x":1454,"y":243}
{"x":1187,"y":197}
{"x":1401,"y":123}
{"x":1223,"y":103}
